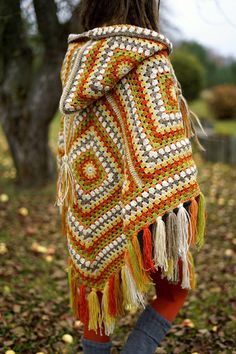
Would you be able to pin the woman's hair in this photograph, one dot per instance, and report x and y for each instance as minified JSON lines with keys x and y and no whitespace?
{"x":142,"y":13}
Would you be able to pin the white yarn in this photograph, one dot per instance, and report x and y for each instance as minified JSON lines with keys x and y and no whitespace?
{"x":183,"y":219}
{"x":136,"y":297}
{"x":159,"y":239}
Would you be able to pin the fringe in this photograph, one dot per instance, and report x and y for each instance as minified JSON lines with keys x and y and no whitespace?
{"x":63,"y":212}
{"x":193,"y":281}
{"x":112,"y":296}
{"x":172,"y":246}
{"x":83,"y":304}
{"x":73,"y":286}
{"x":66,"y":182}
{"x":193,"y":220}
{"x":183,"y":219}
{"x":160,"y":253}
{"x":147,"y":249}
{"x":95,"y":315}
{"x":133,"y":296}
{"x":201,"y":221}
{"x":189,"y":126}
{"x":135,"y":264}
{"x":126,"y":289}
{"x":107,"y":318}
{"x":119,"y":299}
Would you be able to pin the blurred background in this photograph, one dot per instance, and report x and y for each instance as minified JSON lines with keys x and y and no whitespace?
{"x":35,"y":315}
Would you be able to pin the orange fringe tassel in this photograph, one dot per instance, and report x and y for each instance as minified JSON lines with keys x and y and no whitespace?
{"x":112,"y":296}
{"x":147,"y":249}
{"x":118,"y":291}
{"x":193,"y":210}
{"x":83,"y":305}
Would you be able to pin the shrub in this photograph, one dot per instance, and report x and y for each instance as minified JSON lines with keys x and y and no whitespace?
{"x":222,"y":101}
{"x":190,"y":73}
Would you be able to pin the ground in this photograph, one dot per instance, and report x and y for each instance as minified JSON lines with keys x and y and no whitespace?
{"x":35,"y":312}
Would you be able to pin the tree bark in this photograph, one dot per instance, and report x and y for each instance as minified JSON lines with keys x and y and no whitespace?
{"x":28,"y":97}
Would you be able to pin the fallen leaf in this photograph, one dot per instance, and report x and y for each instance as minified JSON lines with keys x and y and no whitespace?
{"x":16,"y":308}
{"x":6,"y":289}
{"x":67,"y":338}
{"x":3,"y":248}
{"x":78,"y":324}
{"x":229,"y":252}
{"x":30,"y":230}
{"x":23,"y":211}
{"x":4,"y":197}
{"x":18,"y":331}
{"x":51,"y":250}
{"x":36,"y":247}
{"x":49,"y":259}
{"x":187,"y":323}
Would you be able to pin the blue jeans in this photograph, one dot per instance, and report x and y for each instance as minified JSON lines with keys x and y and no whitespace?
{"x":147,"y":334}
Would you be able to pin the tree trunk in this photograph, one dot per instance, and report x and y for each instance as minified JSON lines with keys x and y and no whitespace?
{"x":29,"y":98}
{"x":25,"y":121}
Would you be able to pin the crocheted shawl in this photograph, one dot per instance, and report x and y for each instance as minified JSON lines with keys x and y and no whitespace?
{"x":124,"y":162}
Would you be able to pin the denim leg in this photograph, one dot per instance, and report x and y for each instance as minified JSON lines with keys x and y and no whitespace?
{"x":92,"y":347}
{"x":148,"y":332}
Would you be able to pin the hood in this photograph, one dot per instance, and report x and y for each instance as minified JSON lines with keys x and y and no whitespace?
{"x":97,"y":59}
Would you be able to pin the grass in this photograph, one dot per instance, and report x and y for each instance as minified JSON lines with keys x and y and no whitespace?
{"x":201,"y":108}
{"x":227,"y":127}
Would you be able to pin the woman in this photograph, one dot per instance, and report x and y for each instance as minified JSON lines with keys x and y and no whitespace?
{"x":127,"y":188}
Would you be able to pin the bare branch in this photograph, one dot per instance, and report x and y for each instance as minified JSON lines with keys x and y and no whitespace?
{"x":48,"y":24}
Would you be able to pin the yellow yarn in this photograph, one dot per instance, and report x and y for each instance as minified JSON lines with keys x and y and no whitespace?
{"x":145,"y":277}
{"x":94,"y":310}
{"x":201,"y":221}
{"x":170,"y":269}
{"x":125,"y":289}
{"x":193,"y":280}
{"x":132,"y":260}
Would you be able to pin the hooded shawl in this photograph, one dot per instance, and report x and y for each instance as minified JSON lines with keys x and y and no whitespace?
{"x":124,"y":163}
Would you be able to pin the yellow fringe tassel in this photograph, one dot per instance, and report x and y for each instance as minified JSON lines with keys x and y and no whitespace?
{"x":125,"y":289}
{"x":73,"y":288}
{"x":95,"y":318}
{"x":170,"y":269}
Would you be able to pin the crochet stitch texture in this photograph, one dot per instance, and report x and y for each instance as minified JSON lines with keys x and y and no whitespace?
{"x":124,"y":162}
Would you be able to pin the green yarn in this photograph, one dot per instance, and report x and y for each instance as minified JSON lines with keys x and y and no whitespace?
{"x":193,"y":273}
{"x":135,"y":266}
{"x":69,"y":271}
{"x":201,"y":221}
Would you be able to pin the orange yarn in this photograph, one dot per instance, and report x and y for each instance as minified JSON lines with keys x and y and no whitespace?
{"x":83,"y":305}
{"x":193,"y":210}
{"x":147,"y":249}
{"x":112,"y":296}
